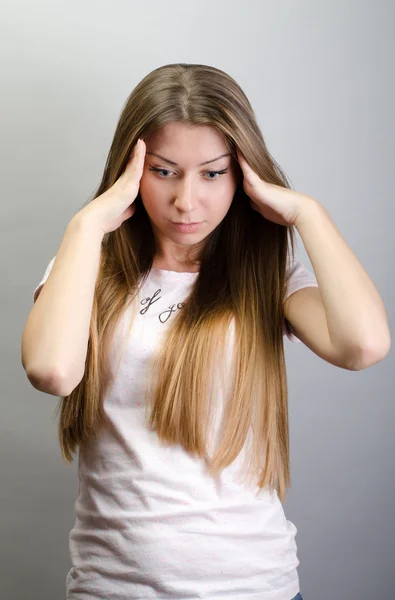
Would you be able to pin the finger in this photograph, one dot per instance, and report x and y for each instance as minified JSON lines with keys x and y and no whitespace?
{"x":247,"y":170}
{"x":137,"y":151}
{"x":240,"y":157}
{"x":245,"y":164}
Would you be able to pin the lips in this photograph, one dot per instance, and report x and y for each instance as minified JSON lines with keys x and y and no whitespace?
{"x":186,"y":227}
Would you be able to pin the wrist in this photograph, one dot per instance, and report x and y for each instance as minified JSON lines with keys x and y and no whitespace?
{"x":83,"y":222}
{"x":308,"y":210}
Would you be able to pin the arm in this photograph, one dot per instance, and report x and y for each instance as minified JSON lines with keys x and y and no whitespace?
{"x":344,"y":321}
{"x":56,"y":333}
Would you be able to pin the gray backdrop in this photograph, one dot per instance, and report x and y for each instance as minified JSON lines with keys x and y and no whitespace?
{"x":320,"y":78}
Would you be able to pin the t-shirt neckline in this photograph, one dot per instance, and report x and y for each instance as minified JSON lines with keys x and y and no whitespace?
{"x":174,"y":274}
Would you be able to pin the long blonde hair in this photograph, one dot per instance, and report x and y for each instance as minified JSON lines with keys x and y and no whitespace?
{"x":242,"y":279}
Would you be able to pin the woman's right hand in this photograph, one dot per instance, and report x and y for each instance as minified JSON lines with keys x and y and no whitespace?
{"x":109,"y":210}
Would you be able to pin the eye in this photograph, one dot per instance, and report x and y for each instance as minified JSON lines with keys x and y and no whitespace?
{"x":160,"y":171}
{"x":217,"y":173}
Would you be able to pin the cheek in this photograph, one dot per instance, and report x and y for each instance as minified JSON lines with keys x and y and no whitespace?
{"x":223,"y":200}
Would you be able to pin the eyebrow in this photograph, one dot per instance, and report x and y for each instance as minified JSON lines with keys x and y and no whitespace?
{"x":200,"y":165}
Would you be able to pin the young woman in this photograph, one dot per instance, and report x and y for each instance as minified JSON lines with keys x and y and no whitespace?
{"x":161,"y":327}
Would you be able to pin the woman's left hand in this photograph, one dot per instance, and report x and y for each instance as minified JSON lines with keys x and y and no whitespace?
{"x":278,"y":204}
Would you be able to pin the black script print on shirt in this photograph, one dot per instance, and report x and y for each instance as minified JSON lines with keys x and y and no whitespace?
{"x":165,"y":315}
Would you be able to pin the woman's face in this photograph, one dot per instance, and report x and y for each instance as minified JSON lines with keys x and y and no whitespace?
{"x":177,"y":188}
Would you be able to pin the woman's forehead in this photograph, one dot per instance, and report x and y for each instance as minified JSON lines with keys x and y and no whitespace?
{"x":200,"y":136}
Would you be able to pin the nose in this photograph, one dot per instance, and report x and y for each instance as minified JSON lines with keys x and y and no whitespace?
{"x":185,"y":196}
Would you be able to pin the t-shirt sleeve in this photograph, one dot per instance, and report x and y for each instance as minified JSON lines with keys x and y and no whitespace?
{"x":44,"y":279}
{"x":299,"y":277}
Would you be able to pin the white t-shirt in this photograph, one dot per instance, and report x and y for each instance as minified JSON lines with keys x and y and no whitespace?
{"x":150,"y":522}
